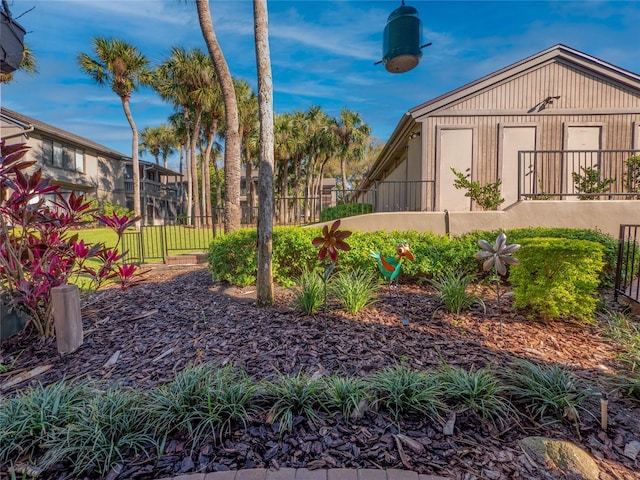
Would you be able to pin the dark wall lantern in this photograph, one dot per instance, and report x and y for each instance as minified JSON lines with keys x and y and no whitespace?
{"x":401,"y":47}
{"x":11,"y":43}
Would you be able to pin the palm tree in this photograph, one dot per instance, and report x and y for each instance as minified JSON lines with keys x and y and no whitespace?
{"x":249,"y":125}
{"x":265,"y":179}
{"x":232,"y":144}
{"x":188,"y":79}
{"x":150,"y":137}
{"x":27,"y":65}
{"x":124,"y":68}
{"x":352,"y":135}
{"x":168,"y":142}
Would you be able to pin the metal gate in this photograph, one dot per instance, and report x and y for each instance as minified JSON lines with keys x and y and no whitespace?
{"x":157,"y":242}
{"x":628,"y":267}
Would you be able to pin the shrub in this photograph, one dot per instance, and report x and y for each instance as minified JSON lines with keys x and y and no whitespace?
{"x":292,"y":396}
{"x":558,"y":277}
{"x":345,"y":210}
{"x":486,"y":196}
{"x":588,"y":183}
{"x":345,"y":395}
{"x":38,"y":251}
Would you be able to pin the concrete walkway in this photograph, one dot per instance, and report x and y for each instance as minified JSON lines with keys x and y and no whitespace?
{"x":306,"y":474}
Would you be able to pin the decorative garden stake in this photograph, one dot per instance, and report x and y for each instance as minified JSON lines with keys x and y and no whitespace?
{"x":330,"y":242}
{"x":497,"y":257}
{"x":390,"y":267}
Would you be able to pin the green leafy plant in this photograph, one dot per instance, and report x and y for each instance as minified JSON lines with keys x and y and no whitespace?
{"x":38,"y":249}
{"x":496,"y":257}
{"x":632,"y":174}
{"x":588,"y":183}
{"x":401,"y":389}
{"x":30,"y":417}
{"x":452,"y":291}
{"x":546,"y":389}
{"x":486,"y":196}
{"x":343,"y":210}
{"x":105,"y":429}
{"x":345,"y":395}
{"x":480,"y":391}
{"x":355,"y":289}
{"x":620,"y":327}
{"x":558,"y":277}
{"x":183,"y":406}
{"x":291,"y":396}
{"x":309,"y":294}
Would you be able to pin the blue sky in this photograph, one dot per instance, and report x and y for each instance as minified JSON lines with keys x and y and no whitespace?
{"x":323,"y":52}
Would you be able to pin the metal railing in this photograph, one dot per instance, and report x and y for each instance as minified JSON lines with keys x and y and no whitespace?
{"x":397,"y":196}
{"x":156,"y":242}
{"x":152,"y":188}
{"x":583,"y":174}
{"x":628,"y":266}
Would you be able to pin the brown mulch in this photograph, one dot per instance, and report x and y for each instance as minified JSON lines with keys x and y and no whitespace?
{"x":177,"y":317}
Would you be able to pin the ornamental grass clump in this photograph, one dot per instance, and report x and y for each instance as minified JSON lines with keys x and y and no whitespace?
{"x":106,"y":430}
{"x":402,"y":390}
{"x":546,"y":389}
{"x":355,"y":289}
{"x":346,"y":395}
{"x":182,"y":406}
{"x":309,"y":293}
{"x":452,"y":291}
{"x":292,"y":396}
{"x":36,"y":414}
{"x":479,"y":391}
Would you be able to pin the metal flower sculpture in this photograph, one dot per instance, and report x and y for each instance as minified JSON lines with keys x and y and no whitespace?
{"x":497,"y":257}
{"x":330,"y":242}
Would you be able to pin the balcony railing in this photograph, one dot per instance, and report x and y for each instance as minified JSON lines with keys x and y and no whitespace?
{"x":583,"y":174}
{"x":150,"y":188}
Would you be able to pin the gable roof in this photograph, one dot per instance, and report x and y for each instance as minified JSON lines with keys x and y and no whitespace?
{"x":558,"y":53}
{"x":43,"y":127}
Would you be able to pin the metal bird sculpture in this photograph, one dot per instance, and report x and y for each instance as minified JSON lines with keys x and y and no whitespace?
{"x":390,"y":266}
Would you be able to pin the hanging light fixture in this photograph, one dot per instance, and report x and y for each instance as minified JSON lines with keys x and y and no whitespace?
{"x":401,"y":47}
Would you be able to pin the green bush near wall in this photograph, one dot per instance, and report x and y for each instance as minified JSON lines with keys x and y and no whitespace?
{"x":345,"y":210}
{"x":232,"y":257}
{"x":557,"y":277}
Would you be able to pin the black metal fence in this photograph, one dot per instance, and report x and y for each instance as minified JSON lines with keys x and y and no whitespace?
{"x":178,"y":235}
{"x":584,"y":174}
{"x":628,"y":267}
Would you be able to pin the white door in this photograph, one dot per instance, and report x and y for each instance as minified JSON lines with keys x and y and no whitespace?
{"x":456,"y":150}
{"x":581,"y":138}
{"x":514,"y":139}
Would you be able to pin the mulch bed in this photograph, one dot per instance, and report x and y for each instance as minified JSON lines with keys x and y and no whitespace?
{"x":177,"y":317}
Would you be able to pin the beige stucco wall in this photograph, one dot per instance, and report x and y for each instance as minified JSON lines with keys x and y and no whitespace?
{"x":605,"y":216}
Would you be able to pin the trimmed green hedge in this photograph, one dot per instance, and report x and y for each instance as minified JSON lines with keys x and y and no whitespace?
{"x":345,"y":210}
{"x":557,"y":277}
{"x":232,"y":257}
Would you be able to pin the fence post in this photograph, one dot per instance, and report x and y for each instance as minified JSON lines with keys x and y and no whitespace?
{"x":67,"y":317}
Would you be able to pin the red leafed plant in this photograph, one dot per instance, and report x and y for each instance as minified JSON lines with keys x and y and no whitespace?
{"x":38,"y":250}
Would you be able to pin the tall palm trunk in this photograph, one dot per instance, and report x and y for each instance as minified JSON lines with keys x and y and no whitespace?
{"x":232,"y":213}
{"x":249,"y":182}
{"x":194,"y":168}
{"x":265,"y":174}
{"x":137,"y":210}
{"x":211,"y":135}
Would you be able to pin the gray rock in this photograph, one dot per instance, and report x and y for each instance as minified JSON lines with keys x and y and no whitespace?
{"x":561,"y":455}
{"x":632,"y":449}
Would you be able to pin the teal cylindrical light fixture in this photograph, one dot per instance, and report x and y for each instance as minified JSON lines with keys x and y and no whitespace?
{"x":401,"y":48}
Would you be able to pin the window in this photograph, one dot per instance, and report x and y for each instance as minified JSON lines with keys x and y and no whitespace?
{"x":62,"y":156}
{"x":79,"y":163}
